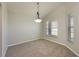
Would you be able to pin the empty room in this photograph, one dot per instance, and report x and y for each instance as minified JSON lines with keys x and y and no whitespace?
{"x":39,"y":29}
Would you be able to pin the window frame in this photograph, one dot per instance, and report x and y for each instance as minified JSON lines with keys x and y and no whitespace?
{"x":49,"y":29}
{"x":70,"y":39}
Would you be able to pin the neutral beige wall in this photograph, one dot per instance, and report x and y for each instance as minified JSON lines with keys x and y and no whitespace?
{"x":0,"y":31}
{"x":22,"y":28}
{"x":4,"y":29}
{"x":74,"y":8}
{"x":60,"y":14}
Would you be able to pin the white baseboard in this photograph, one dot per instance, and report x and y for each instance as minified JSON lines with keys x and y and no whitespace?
{"x":65,"y":46}
{"x":72,"y":50}
{"x":4,"y":53}
{"x":21,"y":42}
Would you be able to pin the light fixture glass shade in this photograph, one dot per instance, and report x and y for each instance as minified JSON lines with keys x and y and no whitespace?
{"x":38,"y":20}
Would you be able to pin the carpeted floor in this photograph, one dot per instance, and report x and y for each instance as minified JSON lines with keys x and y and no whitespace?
{"x":39,"y":48}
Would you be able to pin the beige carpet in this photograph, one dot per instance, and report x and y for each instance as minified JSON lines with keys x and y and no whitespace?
{"x":39,"y":48}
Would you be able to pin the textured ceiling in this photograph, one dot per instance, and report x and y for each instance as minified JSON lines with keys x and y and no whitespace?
{"x":30,"y":8}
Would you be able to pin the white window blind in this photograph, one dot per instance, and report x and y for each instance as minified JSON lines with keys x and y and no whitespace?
{"x":71,"y":28}
{"x":52,"y":28}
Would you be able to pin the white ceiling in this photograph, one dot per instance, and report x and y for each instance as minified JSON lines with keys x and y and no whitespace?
{"x":30,"y":8}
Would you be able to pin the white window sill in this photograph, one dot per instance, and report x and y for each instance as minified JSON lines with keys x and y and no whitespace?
{"x":52,"y":36}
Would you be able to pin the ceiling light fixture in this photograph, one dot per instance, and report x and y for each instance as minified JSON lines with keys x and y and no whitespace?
{"x":38,"y":20}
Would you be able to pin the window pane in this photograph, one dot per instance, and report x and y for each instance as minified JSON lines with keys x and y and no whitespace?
{"x":54,"y":24}
{"x":71,"y":21}
{"x":54,"y":29}
{"x":71,"y":28}
{"x":72,"y":35}
{"x":48,"y":32}
{"x":54,"y":33}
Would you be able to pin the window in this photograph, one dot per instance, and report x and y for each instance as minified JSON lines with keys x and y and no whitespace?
{"x":52,"y":28}
{"x":71,"y":28}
